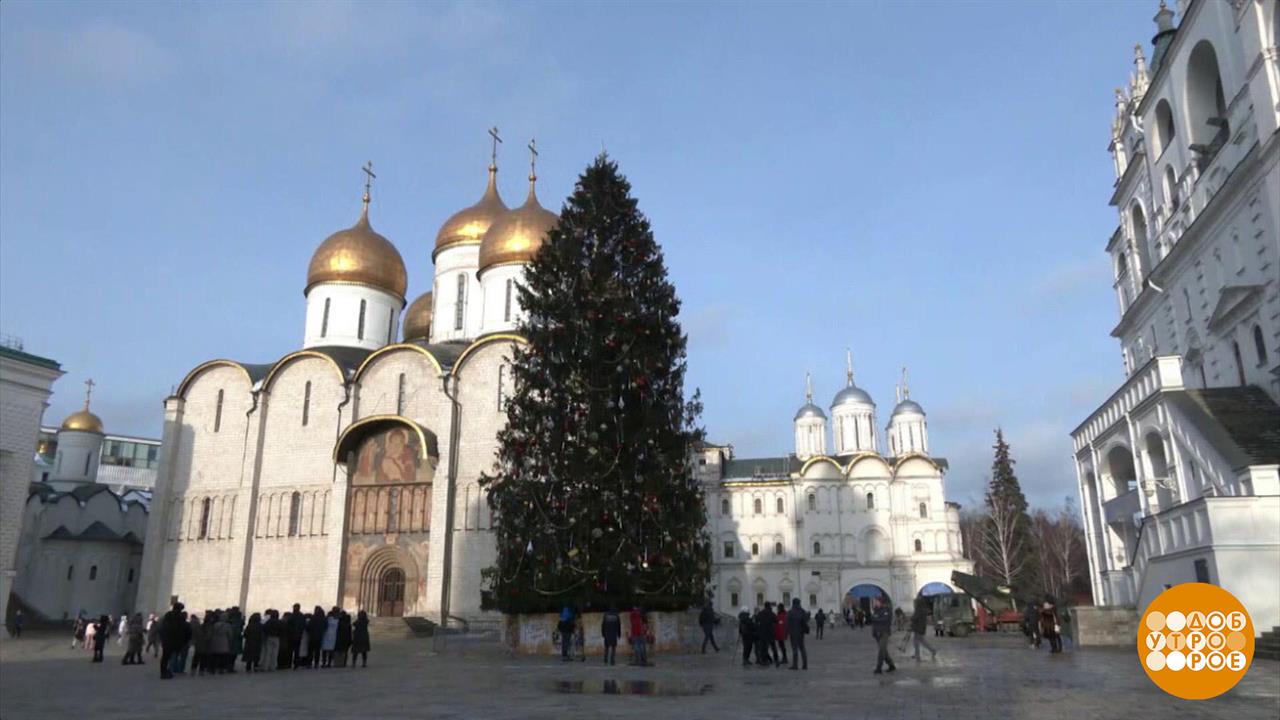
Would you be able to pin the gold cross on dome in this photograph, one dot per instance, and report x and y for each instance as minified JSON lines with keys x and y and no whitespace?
{"x":368,"y":181}
{"x":533,"y":159}
{"x":493,"y":157}
{"x":88,"y":391}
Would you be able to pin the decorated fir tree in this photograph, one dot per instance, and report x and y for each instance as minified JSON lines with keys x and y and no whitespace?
{"x":593,"y":493}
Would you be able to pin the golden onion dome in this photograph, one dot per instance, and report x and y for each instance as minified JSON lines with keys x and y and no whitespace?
{"x":517,"y":236}
{"x":417,"y":319}
{"x":468,"y":226}
{"x":83,"y":421}
{"x":359,"y":255}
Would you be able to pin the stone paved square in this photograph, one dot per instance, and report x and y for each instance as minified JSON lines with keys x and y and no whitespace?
{"x":978,"y":677}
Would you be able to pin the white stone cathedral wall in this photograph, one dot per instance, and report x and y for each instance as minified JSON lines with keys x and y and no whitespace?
{"x":474,"y":547}
{"x":206,"y":572}
{"x":303,"y":568}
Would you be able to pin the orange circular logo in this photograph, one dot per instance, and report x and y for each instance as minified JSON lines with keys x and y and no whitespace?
{"x":1195,"y":641}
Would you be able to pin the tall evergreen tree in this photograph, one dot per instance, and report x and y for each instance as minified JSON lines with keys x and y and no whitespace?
{"x":1006,"y":539}
{"x":593,"y":492}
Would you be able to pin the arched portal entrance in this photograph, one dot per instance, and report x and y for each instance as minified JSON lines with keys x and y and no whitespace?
{"x":935,"y":588}
{"x":863,"y":593}
{"x":390,"y":598}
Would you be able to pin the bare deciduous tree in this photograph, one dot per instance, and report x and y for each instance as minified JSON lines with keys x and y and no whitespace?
{"x":1002,"y":538}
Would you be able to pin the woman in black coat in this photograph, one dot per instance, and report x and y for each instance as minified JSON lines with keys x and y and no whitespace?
{"x":252,"y":642}
{"x":315,"y":635}
{"x":343,"y":644}
{"x":360,"y":640}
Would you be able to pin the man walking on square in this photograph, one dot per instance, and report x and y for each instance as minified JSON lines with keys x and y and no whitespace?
{"x":707,"y":619}
{"x":882,"y":631}
{"x":797,"y":628}
{"x":821,"y":619}
{"x":919,"y":624}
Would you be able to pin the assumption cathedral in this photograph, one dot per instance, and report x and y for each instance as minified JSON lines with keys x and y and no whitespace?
{"x":347,"y":471}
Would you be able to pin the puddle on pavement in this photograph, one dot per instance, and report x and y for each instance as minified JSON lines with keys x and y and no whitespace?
{"x":630,"y":687}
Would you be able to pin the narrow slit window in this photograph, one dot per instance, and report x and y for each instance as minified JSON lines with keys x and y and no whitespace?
{"x":93,"y":572}
{"x":295,"y":513}
{"x":400,"y":395}
{"x":324,"y":319}
{"x":817,"y":549}
{"x":506,"y":306}
{"x":502,"y":390}
{"x":1259,"y":345}
{"x":391,"y":325}
{"x":871,"y":501}
{"x":217,"y":414}
{"x":306,"y":404}
{"x":205,"y":508}
{"x":459,"y":302}
{"x":780,"y":506}
{"x":360,"y":323}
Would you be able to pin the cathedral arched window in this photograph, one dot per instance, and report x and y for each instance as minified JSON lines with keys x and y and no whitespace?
{"x":780,"y":509}
{"x":919,"y":545}
{"x":459,"y":301}
{"x":360,"y":322}
{"x":755,"y":549}
{"x":924,"y":510}
{"x":777,"y":549}
{"x":206,"y":507}
{"x":1259,"y":345}
{"x":871,"y":501}
{"x":813,"y":502}
{"x":306,"y":403}
{"x":324,"y":319}
{"x":295,"y":513}
{"x":130,"y":579}
{"x":93,"y":572}
{"x":724,"y":507}
{"x":217,"y":413}
{"x":817,"y":549}
{"x":758,"y":506}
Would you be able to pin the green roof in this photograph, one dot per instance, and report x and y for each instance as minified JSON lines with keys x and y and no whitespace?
{"x":27,"y":357}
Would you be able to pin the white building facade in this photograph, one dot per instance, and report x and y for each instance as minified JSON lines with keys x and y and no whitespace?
{"x":83,"y":525}
{"x":832,"y":529}
{"x":347,"y":472}
{"x":26,"y":382}
{"x":1179,"y":470}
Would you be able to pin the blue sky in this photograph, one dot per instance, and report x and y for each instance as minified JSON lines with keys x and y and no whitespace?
{"x":925,"y":183}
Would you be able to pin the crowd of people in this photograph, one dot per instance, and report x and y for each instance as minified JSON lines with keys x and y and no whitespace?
{"x":215,"y":642}
{"x":296,"y":639}
{"x":766,"y":633}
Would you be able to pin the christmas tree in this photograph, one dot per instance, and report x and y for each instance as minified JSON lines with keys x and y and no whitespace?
{"x":593,"y":492}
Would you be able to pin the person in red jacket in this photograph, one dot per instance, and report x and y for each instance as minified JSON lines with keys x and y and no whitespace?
{"x":639,"y":637}
{"x":780,"y":634}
